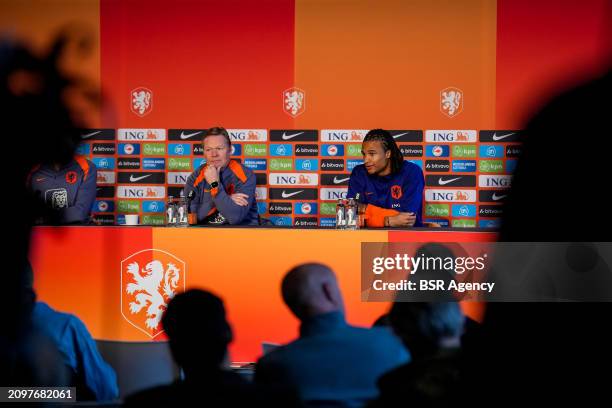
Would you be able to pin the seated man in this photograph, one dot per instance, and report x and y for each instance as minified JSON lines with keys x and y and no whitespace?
{"x":390,"y":188}
{"x":93,"y":377}
{"x":222,"y":191}
{"x":331,"y":363}
{"x":433,"y":332}
{"x":199,"y":335}
{"x":67,"y":189}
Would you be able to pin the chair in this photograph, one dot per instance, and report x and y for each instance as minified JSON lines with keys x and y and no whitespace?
{"x":139,"y":365}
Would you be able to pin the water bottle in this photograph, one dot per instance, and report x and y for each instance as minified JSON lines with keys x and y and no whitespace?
{"x":340,"y":215}
{"x":182,"y":210}
{"x":351,"y":214}
{"x":171,"y":212}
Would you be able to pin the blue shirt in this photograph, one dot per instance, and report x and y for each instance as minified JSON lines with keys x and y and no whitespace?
{"x":78,"y":350}
{"x":402,"y":191}
{"x":333,"y":361}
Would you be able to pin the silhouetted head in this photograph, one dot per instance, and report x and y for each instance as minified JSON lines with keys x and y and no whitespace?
{"x":311,"y":289}
{"x":198,"y":331}
{"x":427,"y":327}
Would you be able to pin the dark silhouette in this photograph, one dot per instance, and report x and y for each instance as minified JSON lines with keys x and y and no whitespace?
{"x":548,"y":353}
{"x":432,"y":332}
{"x":198,"y":335}
{"x":434,"y":272}
{"x":38,"y":126}
{"x":332,"y":363}
{"x":93,"y":377}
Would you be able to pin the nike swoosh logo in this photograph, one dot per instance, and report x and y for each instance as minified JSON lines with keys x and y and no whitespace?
{"x":368,"y":193}
{"x":496,"y":197}
{"x":401,"y":134}
{"x":287,"y":195}
{"x":87,"y":136}
{"x":500,"y":137}
{"x":41,"y":179}
{"x":444,"y":182}
{"x":287,"y":137}
{"x":135,"y":179}
{"x":187,"y":136}
{"x":342,"y":180}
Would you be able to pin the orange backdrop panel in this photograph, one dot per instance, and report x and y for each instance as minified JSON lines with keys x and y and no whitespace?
{"x":208,"y":62}
{"x":383,"y":63}
{"x":246,"y":266}
{"x":78,"y":270}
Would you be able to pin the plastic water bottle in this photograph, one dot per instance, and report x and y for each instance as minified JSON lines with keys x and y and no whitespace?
{"x":171,"y":212}
{"x":182,"y":213}
{"x":340,"y":215}
{"x":351,"y":214}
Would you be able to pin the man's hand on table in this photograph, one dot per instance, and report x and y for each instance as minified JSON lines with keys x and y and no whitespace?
{"x":403,"y":219}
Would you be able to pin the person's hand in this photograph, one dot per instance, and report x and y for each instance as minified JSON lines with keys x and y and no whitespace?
{"x":403,"y":219}
{"x":240,"y":199}
{"x":211,"y":173}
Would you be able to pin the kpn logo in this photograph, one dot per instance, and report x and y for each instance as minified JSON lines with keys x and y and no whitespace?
{"x":255,"y":150}
{"x":437,"y":210}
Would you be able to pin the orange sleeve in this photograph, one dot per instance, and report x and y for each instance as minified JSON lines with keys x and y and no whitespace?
{"x":200,"y":177}
{"x":375,"y":216}
{"x":82,"y":162}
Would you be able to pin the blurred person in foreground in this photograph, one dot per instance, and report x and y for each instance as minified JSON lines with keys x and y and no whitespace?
{"x":199,"y":335}
{"x":552,"y":353}
{"x":332,"y":363}
{"x":93,"y":377}
{"x":38,"y":119}
{"x":432,"y":332}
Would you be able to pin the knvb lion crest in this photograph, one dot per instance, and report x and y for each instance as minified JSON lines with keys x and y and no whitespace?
{"x":141,"y":101}
{"x":149,"y":279}
{"x":451,"y":101}
{"x":294,"y":101}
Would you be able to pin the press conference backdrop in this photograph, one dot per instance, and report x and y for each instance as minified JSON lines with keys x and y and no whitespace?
{"x":298,"y":82}
{"x":301,"y":173}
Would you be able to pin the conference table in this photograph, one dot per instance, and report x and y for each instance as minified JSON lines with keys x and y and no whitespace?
{"x":90,"y":271}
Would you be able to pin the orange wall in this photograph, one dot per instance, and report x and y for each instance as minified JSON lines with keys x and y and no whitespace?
{"x":208,"y":63}
{"x":373,"y":63}
{"x":78,"y":270}
{"x":544,"y":47}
